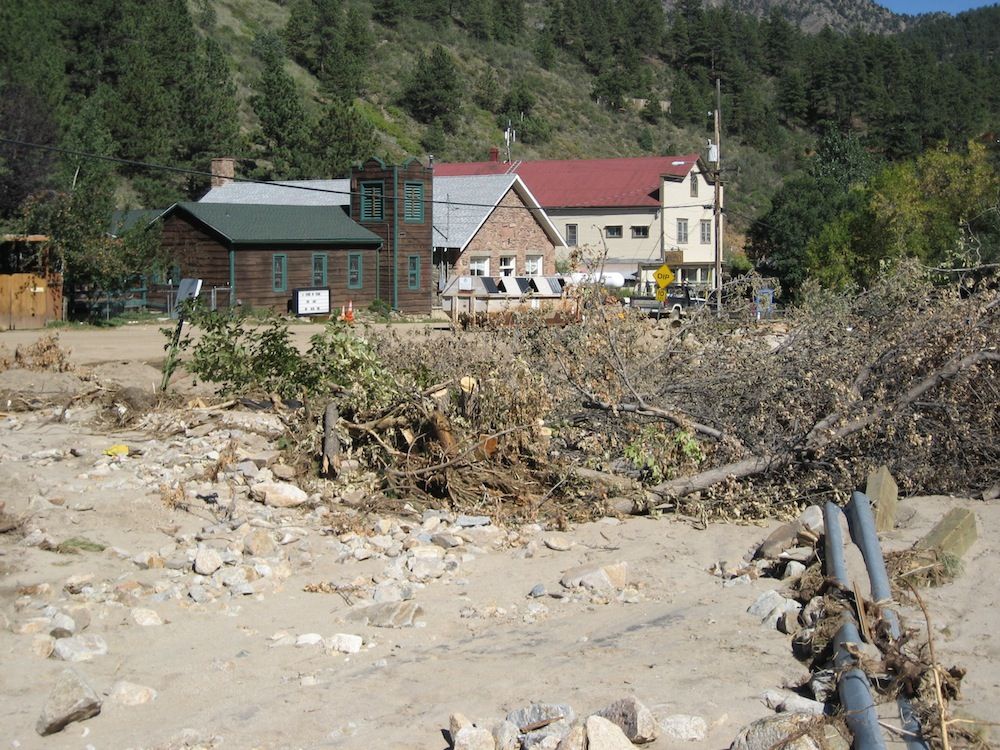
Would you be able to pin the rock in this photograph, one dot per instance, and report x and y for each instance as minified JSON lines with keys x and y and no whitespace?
{"x":63,"y":626}
{"x":308,"y":639}
{"x":793,"y":570}
{"x":283,"y":472}
{"x":456,"y":723}
{"x":883,"y":494}
{"x":537,"y":591}
{"x":72,"y":699}
{"x":557,"y":543}
{"x":469,"y":521}
{"x":778,"y":541}
{"x":146,"y":617}
{"x":812,"y":612}
{"x":473,"y":738}
{"x":597,"y":577}
{"x":268,"y":425}
{"x":575,"y":739}
{"x":345,"y":643}
{"x":803,"y":555}
{"x":247,"y":468}
{"x":446,"y":541}
{"x":76,"y":584}
{"x":279,"y":494}
{"x":541,"y":740}
{"x":506,"y":735}
{"x":536,"y":713}
{"x":823,"y":684}
{"x":765,"y":603}
{"x":389,"y":614}
{"x":80,"y":648}
{"x":126,"y":693}
{"x":773,"y":731}
{"x":259,"y":543}
{"x":684,"y":727}
{"x":148,"y":559}
{"x":788,"y":622}
{"x":605,"y":735}
{"x":43,"y":645}
{"x":786,"y":702}
{"x":811,"y":519}
{"x":207,"y":561}
{"x":633,"y":718}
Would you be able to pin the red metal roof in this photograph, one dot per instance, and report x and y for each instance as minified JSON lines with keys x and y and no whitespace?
{"x":585,"y":183}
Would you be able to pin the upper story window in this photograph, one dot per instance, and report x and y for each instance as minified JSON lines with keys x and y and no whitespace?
{"x":613,"y":232}
{"x":479,"y":266}
{"x":372,"y":194}
{"x":694,"y":185}
{"x":682,"y":231}
{"x":532,"y":265}
{"x":413,"y":202}
{"x":571,"y":235}
{"x":706,"y":231}
{"x":508,"y":265}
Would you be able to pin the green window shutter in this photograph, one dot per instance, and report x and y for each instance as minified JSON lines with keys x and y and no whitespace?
{"x":319,"y":265}
{"x":372,"y":194}
{"x":355,"y":278}
{"x":413,"y":202}
{"x":413,"y":272}
{"x":279,"y":272}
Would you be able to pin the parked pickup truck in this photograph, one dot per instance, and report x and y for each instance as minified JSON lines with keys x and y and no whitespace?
{"x":680,"y":298}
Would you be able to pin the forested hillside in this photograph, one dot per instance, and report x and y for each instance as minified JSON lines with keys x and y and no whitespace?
{"x":302,"y":88}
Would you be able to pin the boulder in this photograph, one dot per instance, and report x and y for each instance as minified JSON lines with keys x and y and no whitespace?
{"x":633,"y":718}
{"x":774,"y":731}
{"x":605,"y":735}
{"x":597,"y":577}
{"x":279,"y":494}
{"x":80,"y":648}
{"x":72,"y":699}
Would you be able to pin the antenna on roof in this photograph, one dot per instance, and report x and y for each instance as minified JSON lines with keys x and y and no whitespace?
{"x":509,"y":138}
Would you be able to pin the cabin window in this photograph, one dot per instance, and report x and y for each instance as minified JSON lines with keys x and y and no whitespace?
{"x":682,"y":231}
{"x":279,"y":272}
{"x":413,"y":272}
{"x":413,"y":202}
{"x":640,"y":233}
{"x":354,"y":271}
{"x":319,"y":269}
{"x":372,"y":200}
{"x":613,"y":232}
{"x":571,"y":235}
{"x":479,"y":266}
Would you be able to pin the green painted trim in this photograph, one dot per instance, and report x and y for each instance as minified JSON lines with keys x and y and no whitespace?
{"x":283,"y":259}
{"x":232,"y":275}
{"x":371,"y":217}
{"x":409,"y":160}
{"x":375,"y":159}
{"x":325,"y":258}
{"x":360,"y":283}
{"x":419,"y":213}
{"x":395,"y":238}
{"x":413,"y":272}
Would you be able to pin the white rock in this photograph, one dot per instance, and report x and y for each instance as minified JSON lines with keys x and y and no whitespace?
{"x":684,"y":727}
{"x":63,"y":626}
{"x":126,"y":693}
{"x":793,"y":570}
{"x":207,"y":561}
{"x":80,"y":648}
{"x":770,"y":731}
{"x":557,"y":543}
{"x":506,"y":735}
{"x":309,"y":639}
{"x":605,"y":735}
{"x":279,"y":494}
{"x":146,"y":617}
{"x":43,"y":645}
{"x":473,"y":738}
{"x":345,"y":643}
{"x":575,"y":739}
{"x":787,"y":702}
{"x":597,"y":577}
{"x":633,"y":718}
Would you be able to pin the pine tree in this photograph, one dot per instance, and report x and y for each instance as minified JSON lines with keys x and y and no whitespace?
{"x":340,"y":138}
{"x":433,"y":93}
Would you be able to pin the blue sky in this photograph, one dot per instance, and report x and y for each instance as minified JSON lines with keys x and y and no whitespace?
{"x":927,"y":6}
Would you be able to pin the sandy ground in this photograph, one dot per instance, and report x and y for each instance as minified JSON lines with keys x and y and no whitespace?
{"x":677,"y":639}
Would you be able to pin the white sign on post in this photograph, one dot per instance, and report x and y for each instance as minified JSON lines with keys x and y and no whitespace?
{"x":311,"y":301}
{"x":188,"y":289}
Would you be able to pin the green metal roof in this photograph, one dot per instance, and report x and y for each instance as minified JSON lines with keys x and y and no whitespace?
{"x":280,"y":225}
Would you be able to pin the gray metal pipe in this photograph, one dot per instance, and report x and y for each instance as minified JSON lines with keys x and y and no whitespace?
{"x":833,"y":545}
{"x":861,"y":522}
{"x":855,"y":691}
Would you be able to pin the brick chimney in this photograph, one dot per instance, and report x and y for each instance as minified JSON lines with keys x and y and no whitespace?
{"x":223,"y":170}
{"x":494,"y":153}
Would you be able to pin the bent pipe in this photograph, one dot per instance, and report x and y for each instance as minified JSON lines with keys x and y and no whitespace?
{"x":861,"y":522}
{"x":855,"y":692}
{"x":853,"y":686}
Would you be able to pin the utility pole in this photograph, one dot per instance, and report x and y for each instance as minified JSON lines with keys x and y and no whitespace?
{"x":717,"y":207}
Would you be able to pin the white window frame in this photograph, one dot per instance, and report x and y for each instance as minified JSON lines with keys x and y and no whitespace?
{"x":613,"y":232}
{"x":479,"y":265}
{"x":682,"y":231}
{"x":694,"y":184}
{"x":706,"y":231}
{"x":508,"y":265}
{"x":534,"y":265}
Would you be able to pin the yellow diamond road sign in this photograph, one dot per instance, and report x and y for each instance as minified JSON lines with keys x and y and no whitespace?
{"x":661,"y":295}
{"x":663,"y":276}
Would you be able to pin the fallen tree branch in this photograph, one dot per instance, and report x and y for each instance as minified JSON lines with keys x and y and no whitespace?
{"x":643,"y":409}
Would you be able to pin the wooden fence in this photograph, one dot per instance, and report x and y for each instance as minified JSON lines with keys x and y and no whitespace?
{"x":28,"y":301}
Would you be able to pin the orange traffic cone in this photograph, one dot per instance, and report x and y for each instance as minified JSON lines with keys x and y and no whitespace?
{"x":343,"y":315}
{"x":349,"y":316}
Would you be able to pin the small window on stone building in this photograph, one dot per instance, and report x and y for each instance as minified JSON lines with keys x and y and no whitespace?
{"x":533,"y":265}
{"x":571,"y":235}
{"x":479,"y":266}
{"x":508,"y":265}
